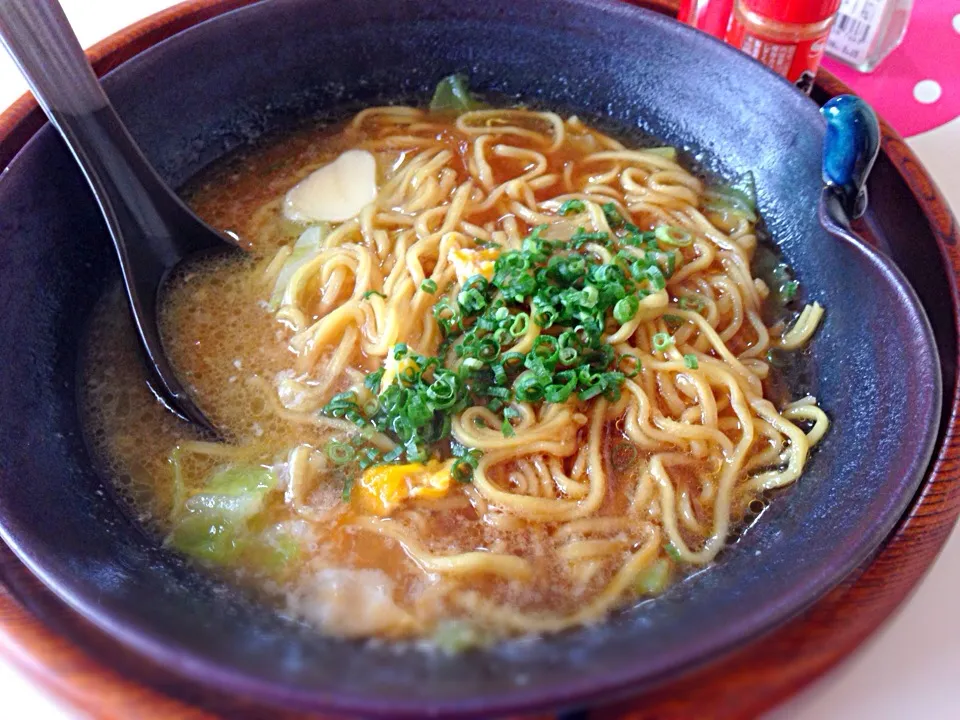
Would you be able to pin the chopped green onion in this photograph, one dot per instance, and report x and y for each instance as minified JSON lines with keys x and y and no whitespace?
{"x":394,"y":454}
{"x":674,"y":236}
{"x":527,"y":387}
{"x":369,"y":456}
{"x":339,"y":452}
{"x":428,"y":286}
{"x":462,"y":469}
{"x":672,"y":551}
{"x":625,"y":309}
{"x":521,"y":322}
{"x":788,"y":290}
{"x":690,"y":360}
{"x":589,"y":296}
{"x":581,"y":237}
{"x":661,"y":341}
{"x":629,"y":365}
{"x":567,"y":355}
{"x":372,"y":381}
{"x":623,"y":455}
{"x":347,"y":487}
{"x":368,"y":293}
{"x":613,"y":216}
{"x":691,"y":303}
{"x":572,"y":206}
{"x":571,"y":294}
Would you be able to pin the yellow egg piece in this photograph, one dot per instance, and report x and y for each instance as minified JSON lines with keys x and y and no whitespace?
{"x":468,"y":262}
{"x":393,"y":367}
{"x":383,"y":488}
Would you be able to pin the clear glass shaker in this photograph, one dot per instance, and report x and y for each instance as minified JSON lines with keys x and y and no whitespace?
{"x":866,"y":31}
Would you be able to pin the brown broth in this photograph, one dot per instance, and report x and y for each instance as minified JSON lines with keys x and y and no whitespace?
{"x":220,"y":335}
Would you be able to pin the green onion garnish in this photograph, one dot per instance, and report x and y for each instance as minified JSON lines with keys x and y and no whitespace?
{"x":368,"y":293}
{"x":661,"y":341}
{"x":788,"y":290}
{"x":625,"y":309}
{"x":690,"y":360}
{"x":690,"y":303}
{"x":566,"y":292}
{"x":572,"y":206}
{"x":613,"y":216}
{"x":339,"y":452}
{"x":623,"y":455}
{"x":629,"y":365}
{"x":672,"y":235}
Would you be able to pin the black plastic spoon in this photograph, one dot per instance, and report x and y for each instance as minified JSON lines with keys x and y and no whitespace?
{"x":152,"y":229}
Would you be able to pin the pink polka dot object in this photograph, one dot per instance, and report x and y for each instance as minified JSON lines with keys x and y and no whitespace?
{"x":917,"y":88}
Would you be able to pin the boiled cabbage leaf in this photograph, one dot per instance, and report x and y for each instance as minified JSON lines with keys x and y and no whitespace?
{"x":453,"y":95}
{"x":307,"y":247}
{"x":214,"y":526}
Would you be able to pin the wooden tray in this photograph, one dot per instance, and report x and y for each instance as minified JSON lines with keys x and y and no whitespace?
{"x":92,"y":673}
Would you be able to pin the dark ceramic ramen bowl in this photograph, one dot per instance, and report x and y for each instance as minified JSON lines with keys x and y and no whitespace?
{"x":227,"y":81}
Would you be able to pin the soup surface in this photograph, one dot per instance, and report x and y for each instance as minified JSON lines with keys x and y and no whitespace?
{"x":483,"y":372}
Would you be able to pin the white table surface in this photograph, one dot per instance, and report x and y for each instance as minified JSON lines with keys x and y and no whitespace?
{"x":910,"y":669}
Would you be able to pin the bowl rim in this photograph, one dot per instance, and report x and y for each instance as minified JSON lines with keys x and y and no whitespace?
{"x":20,"y":122}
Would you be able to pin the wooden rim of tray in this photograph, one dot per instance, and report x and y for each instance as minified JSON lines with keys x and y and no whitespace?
{"x":62,"y":652}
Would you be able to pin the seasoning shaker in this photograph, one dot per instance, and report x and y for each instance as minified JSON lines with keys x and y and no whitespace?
{"x":866,"y":31}
{"x":788,"y":36}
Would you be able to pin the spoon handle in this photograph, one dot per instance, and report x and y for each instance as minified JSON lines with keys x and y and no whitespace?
{"x":135,"y":202}
{"x":850,"y":148}
{"x":40,"y":41}
{"x":150,"y":226}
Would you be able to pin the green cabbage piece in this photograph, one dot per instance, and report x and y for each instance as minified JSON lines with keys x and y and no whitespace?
{"x":456,"y":636}
{"x":453,"y":95}
{"x":206,"y":538}
{"x":274,"y":549}
{"x":307,"y":247}
{"x":740,"y":197}
{"x":654,"y":579}
{"x":214,"y":527}
{"x":666,"y":151}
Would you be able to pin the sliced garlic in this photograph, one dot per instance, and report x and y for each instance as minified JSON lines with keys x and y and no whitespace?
{"x":336,"y":192}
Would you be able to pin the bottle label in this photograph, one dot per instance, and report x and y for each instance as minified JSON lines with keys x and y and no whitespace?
{"x":797,"y":62}
{"x":855,"y":29}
